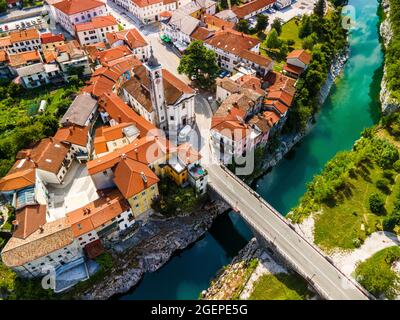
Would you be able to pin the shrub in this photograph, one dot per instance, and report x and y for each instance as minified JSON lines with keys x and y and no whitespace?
{"x":383,"y":185}
{"x":376,"y":203}
{"x":396,"y":166}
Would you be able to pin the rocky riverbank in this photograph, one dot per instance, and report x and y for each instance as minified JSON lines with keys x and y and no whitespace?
{"x":150,"y":248}
{"x":237,"y":280}
{"x":388,"y":103}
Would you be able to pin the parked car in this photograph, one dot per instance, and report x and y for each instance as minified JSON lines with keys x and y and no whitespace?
{"x":184,"y":133}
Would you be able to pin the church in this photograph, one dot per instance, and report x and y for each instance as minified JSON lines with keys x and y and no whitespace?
{"x":160,"y":97}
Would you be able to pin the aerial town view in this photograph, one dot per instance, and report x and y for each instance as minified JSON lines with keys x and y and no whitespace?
{"x":199,"y":150}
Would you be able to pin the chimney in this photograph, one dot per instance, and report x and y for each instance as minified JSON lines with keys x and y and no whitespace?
{"x":123,"y":156}
{"x":15,"y":223}
{"x":144,"y":178}
{"x":223,"y":28}
{"x":119,"y":119}
{"x":71,"y":129}
{"x":41,"y":228}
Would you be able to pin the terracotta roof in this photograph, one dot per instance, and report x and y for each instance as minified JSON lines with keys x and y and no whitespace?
{"x":106,"y":134}
{"x":147,"y":150}
{"x":50,"y":55}
{"x":232,"y":41}
{"x":121,"y":112}
{"x":70,"y":7}
{"x":279,"y":106}
{"x":165,"y":14}
{"x":300,"y":54}
{"x":281,"y":82}
{"x":250,"y":7}
{"x":187,"y":154}
{"x":201,"y":33}
{"x":174,"y":88}
{"x":99,"y":86}
{"x":281,"y":95}
{"x":255,"y":57}
{"x":217,"y":22}
{"x":5,"y":42}
{"x":73,"y":134}
{"x":132,"y":177}
{"x":3,"y":56}
{"x":24,"y":35}
{"x":145,"y":3}
{"x":139,"y":91}
{"x":52,"y":237}
{"x":48,"y":154}
{"x":293,"y":69}
{"x":50,"y":37}
{"x":18,"y":179}
{"x":261,"y":122}
{"x":92,"y":216}
{"x":109,"y":55}
{"x":234,"y":130}
{"x":272,"y":117}
{"x":132,"y":38}
{"x":23,"y":58}
{"x":96,"y":23}
{"x":29,"y":219}
{"x":251,"y":82}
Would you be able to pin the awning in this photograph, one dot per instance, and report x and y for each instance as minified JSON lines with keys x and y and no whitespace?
{"x":164,"y":38}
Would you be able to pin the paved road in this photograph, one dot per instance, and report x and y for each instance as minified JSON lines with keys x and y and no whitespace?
{"x":326,"y":279}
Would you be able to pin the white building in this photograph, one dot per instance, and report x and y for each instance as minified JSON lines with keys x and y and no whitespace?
{"x":38,"y":74}
{"x":280,"y":4}
{"x":71,"y":12}
{"x":95,"y":30}
{"x":160,"y":97}
{"x":230,"y":46}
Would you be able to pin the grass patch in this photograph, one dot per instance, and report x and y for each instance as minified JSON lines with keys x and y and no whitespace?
{"x":290,"y":31}
{"x":376,"y":274}
{"x":340,"y":225}
{"x":280,"y":286}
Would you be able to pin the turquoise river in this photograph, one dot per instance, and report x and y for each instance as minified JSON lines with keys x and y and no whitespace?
{"x":352,"y":105}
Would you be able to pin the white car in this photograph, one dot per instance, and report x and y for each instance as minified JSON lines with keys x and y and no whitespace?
{"x":184,"y":133}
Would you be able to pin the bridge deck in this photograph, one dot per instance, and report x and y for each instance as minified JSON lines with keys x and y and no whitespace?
{"x":328,"y":280}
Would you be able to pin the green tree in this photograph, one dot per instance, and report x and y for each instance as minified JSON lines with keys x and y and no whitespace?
{"x":319,"y":8}
{"x":262,"y":22}
{"x":3,"y":6}
{"x":243,"y":26}
{"x":308,"y":42}
{"x":199,"y":64}
{"x":272,"y":41}
{"x":277,"y":25}
{"x":306,"y":27}
{"x":376,"y":203}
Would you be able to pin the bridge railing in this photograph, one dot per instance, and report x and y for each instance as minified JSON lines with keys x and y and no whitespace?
{"x":290,"y":225}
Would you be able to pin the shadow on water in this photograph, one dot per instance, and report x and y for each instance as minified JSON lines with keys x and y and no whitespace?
{"x":374,"y":94}
{"x":232,"y":243}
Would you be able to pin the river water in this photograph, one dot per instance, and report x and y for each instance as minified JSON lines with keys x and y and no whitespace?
{"x":353,"y":104}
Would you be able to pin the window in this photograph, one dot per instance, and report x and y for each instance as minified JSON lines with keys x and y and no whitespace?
{"x":171,"y":118}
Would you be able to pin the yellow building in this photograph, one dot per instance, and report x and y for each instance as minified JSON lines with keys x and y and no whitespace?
{"x":137,"y":183}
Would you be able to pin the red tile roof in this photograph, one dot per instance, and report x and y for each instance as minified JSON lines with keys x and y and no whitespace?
{"x":97,"y":213}
{"x":109,"y":55}
{"x":250,"y":7}
{"x":145,"y":3}
{"x":132,"y":177}
{"x":70,"y":7}
{"x":302,"y":55}
{"x":73,"y":134}
{"x":24,"y":35}
{"x":28,"y":220}
{"x":18,"y":180}
{"x":232,"y":41}
{"x":96,"y":23}
{"x":293,"y":69}
{"x":217,"y":22}
{"x":131,"y":37}
{"x":50,"y":37}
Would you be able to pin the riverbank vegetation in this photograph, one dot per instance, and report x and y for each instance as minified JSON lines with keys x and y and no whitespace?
{"x":280,"y":286}
{"x":376,"y":274}
{"x":21,"y":125}
{"x":358,"y":191}
{"x":174,"y":199}
{"x":392,"y":51}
